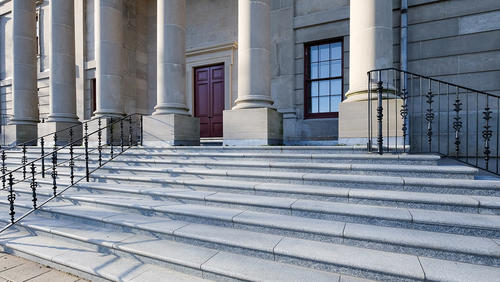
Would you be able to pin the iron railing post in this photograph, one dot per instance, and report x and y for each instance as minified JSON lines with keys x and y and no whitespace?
{"x":369,"y":103}
{"x":42,"y":144}
{"x":457,"y":123}
{"x":429,"y":115}
{"x":33,"y":184}
{"x":99,"y":140}
{"x":111,"y":139}
{"x":380,"y":116}
{"x":142,"y":130}
{"x":121,"y":133}
{"x":4,"y":169}
{"x":404,"y":116}
{"x":71,"y":161}
{"x":24,"y":160}
{"x":86,"y":141}
{"x":54,"y":166}
{"x":487,"y":133}
{"x":11,"y":197}
{"x":130,"y":132}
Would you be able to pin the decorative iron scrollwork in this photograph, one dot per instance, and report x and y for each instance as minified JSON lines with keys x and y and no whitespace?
{"x":457,"y":124}
{"x":86,"y":141}
{"x":429,"y":117}
{"x":33,"y":185}
{"x":71,"y":160}
{"x":404,"y":115}
{"x":24,"y":160}
{"x":4,"y":169}
{"x":54,"y":166}
{"x":11,"y":197}
{"x":380,"y":116}
{"x":487,"y":134}
{"x":99,"y":141}
{"x":42,"y":144}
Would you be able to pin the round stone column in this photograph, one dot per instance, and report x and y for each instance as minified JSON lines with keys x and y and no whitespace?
{"x":371,"y":47}
{"x":171,"y":123}
{"x":22,"y":125}
{"x":370,"y":43}
{"x":24,"y":82}
{"x":253,"y":120}
{"x":62,"y":62}
{"x":171,"y":58}
{"x":108,"y":55}
{"x":254,"y":55}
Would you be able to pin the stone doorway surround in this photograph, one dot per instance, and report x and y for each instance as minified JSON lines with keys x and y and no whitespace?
{"x":212,"y":55}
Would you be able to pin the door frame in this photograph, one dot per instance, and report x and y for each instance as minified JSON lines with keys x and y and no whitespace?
{"x":207,"y":56}
{"x":194,"y":88}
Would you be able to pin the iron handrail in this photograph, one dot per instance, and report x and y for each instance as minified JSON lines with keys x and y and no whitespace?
{"x":33,"y":184}
{"x":435,"y":117}
{"x":65,"y":146}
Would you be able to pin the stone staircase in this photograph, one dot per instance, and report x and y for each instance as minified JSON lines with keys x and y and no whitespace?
{"x":262,"y":213}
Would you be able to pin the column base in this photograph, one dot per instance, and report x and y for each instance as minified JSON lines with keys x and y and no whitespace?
{"x":353,"y":122}
{"x":171,"y":130}
{"x":253,"y":127}
{"x":63,"y":138}
{"x":16,"y":134}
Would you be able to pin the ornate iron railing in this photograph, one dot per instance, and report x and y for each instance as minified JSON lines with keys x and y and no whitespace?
{"x":126,"y":140}
{"x":420,"y":114}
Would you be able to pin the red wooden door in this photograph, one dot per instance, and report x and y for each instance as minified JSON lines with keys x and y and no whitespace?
{"x":209,"y":99}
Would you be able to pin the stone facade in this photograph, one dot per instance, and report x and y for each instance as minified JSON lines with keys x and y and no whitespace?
{"x":455,"y":41}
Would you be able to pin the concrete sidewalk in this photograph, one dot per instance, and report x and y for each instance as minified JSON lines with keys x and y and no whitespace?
{"x":17,"y":269}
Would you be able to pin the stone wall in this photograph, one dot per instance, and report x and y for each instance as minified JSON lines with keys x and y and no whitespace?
{"x":457,"y":41}
{"x":319,"y":20}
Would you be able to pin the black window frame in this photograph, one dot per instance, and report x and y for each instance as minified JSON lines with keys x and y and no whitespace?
{"x":308,"y":81}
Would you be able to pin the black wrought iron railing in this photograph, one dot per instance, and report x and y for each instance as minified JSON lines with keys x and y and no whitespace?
{"x":413,"y":113}
{"x":129,"y":134}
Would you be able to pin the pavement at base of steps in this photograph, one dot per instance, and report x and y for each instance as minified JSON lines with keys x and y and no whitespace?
{"x":18,"y":269}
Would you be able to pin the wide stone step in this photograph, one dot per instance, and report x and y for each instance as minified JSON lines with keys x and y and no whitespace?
{"x":154,"y":167}
{"x":330,"y":256}
{"x":85,"y":242}
{"x":229,"y":156}
{"x":442,"y":221}
{"x":84,"y":261}
{"x":470,"y":249}
{"x":405,"y":183}
{"x":227,"y":149}
{"x":447,"y":202}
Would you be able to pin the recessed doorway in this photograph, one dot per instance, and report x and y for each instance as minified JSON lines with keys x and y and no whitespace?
{"x":209,"y":99}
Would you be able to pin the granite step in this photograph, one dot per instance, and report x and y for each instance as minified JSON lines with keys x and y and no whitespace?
{"x":478,"y":250}
{"x":433,"y":201}
{"x":84,"y":261}
{"x":421,"y":219}
{"x":226,"y":149}
{"x":154,"y":167}
{"x":398,"y":183}
{"x":159,"y":157}
{"x":284,"y":250}
{"x":84,"y":242}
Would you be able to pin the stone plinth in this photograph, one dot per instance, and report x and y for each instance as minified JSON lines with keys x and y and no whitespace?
{"x":171,"y":129}
{"x":353,"y":124}
{"x":16,"y":134}
{"x":252,"y":127}
{"x":63,"y":137}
